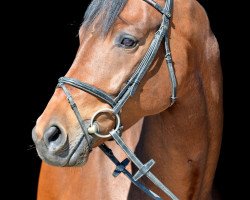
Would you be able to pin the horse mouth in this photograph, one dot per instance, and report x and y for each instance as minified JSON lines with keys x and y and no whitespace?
{"x":80,"y":152}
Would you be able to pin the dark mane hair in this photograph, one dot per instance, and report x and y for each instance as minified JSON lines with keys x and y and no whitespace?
{"x":106,"y":11}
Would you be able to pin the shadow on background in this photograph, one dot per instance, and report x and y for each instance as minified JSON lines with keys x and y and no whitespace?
{"x":49,"y":34}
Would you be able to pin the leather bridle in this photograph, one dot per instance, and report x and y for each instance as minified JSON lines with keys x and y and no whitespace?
{"x":118,"y":102}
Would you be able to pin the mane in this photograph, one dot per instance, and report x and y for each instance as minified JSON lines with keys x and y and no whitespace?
{"x":105,"y":11}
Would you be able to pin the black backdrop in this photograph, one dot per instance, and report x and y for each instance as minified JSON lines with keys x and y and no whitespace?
{"x":45,"y":41}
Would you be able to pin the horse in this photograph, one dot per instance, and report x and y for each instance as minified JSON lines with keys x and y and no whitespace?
{"x":120,"y":81}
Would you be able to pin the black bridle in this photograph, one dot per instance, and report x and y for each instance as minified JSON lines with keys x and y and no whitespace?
{"x":118,"y":102}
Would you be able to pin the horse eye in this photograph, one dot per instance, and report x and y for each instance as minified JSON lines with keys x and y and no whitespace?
{"x":128,"y":43}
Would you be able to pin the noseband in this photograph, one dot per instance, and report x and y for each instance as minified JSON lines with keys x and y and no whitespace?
{"x":118,"y":102}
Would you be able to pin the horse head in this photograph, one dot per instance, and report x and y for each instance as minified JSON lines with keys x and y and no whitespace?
{"x":114,"y":39}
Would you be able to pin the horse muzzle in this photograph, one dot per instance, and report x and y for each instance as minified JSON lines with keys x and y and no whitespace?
{"x":54,"y":147}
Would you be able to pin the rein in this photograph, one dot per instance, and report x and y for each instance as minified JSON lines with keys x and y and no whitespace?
{"x":118,"y":102}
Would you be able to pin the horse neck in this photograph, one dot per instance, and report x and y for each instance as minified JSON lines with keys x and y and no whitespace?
{"x":161,"y":132}
{"x":184,"y":140}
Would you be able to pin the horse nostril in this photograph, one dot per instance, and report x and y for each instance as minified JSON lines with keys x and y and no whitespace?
{"x":54,"y":138}
{"x":55,"y":134}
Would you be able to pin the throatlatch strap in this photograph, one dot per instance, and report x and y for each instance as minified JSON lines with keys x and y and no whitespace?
{"x":170,"y":66}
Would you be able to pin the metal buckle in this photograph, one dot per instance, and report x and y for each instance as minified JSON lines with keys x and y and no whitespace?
{"x":105,"y":110}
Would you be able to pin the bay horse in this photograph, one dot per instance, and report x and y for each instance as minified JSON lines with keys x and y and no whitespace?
{"x":120,"y":80}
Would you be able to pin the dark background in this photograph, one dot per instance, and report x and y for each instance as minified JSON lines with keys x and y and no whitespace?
{"x":42,"y":48}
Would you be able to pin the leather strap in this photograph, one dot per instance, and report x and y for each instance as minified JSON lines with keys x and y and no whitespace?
{"x":121,"y":168}
{"x":88,"y":88}
{"x":77,"y":114}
